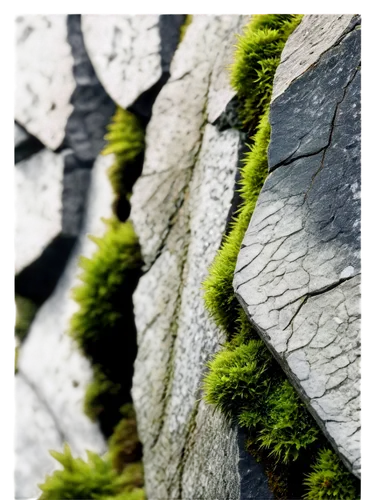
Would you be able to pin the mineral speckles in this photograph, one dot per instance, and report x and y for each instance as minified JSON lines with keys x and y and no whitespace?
{"x":298,"y":271}
{"x":125,"y":51}
{"x":44,"y":82}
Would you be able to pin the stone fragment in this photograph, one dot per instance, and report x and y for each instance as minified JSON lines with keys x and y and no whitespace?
{"x":44,"y":82}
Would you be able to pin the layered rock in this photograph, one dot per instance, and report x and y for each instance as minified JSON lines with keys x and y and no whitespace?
{"x":298,"y":271}
{"x":179,"y":209}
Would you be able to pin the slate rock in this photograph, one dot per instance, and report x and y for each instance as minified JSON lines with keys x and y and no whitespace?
{"x":125,"y":52}
{"x":44,"y":77}
{"x":39,"y":185}
{"x":25,"y":145}
{"x":298,"y":271}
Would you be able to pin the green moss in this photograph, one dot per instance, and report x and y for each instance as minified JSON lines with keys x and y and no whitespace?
{"x":124,"y":444}
{"x":95,"y":479}
{"x":25,"y":313}
{"x":330,"y":480}
{"x":125,"y":139}
{"x":219,"y":295}
{"x":16,"y":354}
{"x":109,"y":278}
{"x":184,"y":26}
{"x":256,"y":59}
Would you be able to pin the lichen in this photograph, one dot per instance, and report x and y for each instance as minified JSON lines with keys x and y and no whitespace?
{"x":184,"y":26}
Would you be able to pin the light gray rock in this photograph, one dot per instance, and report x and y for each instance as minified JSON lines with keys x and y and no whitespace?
{"x":44,"y":83}
{"x":20,"y":136}
{"x":125,"y":52}
{"x":38,"y":204}
{"x":174,"y":133}
{"x":298,"y":271}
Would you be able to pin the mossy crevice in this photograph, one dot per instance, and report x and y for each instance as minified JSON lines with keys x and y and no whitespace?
{"x":244,"y":381}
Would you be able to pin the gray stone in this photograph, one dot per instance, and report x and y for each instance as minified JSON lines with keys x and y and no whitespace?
{"x":125,"y":52}
{"x":36,"y":433}
{"x":174,"y":133}
{"x":298,"y":271}
{"x":38,"y":205}
{"x":44,"y":83}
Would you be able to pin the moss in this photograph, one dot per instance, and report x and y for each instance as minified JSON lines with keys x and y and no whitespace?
{"x":256,"y":59}
{"x":219,"y":295}
{"x":329,"y":479}
{"x":184,"y":26}
{"x":124,"y":444}
{"x":104,"y":324}
{"x":125,"y":139}
{"x":95,"y":479}
{"x":16,"y":354}
{"x":25,"y":312}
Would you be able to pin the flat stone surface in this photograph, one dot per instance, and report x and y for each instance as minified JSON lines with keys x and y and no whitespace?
{"x":174,"y":133}
{"x":38,"y":205}
{"x":44,"y":77}
{"x":125,"y":52}
{"x":298,"y":271}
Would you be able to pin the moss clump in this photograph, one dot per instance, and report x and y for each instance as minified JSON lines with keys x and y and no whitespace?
{"x":125,"y":139}
{"x":330,"y":480}
{"x":104,"y":324}
{"x":256,"y":59}
{"x":219,"y":295}
{"x":95,"y":479}
{"x":184,"y":26}
{"x":124,"y":444}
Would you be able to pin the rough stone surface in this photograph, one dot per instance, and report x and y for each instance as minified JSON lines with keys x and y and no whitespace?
{"x":179,"y":208}
{"x":298,"y":271}
{"x":38,"y":205}
{"x":52,"y":373}
{"x":175,"y":130}
{"x":44,"y":82}
{"x":125,"y":51}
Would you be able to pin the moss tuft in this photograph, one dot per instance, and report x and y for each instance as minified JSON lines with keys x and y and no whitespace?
{"x":124,"y":444}
{"x":95,"y":479}
{"x":125,"y":139}
{"x":256,"y":59}
{"x":219,"y":295}
{"x":330,"y":480}
{"x":26,"y":310}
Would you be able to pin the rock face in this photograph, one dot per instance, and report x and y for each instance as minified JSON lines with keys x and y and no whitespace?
{"x":44,"y":80}
{"x":298,"y":272}
{"x":38,"y":204}
{"x":179,"y":209}
{"x":125,"y":51}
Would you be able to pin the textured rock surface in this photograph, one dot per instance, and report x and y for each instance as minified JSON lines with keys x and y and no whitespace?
{"x":52,"y":373}
{"x":125,"y":51}
{"x":44,"y":82}
{"x":38,"y":204}
{"x":179,"y":208}
{"x":297,"y":273}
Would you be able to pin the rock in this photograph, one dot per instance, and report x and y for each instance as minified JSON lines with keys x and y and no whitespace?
{"x":38,"y":205}
{"x":179,"y":209}
{"x":25,"y":145}
{"x":298,"y":271}
{"x":36,"y":432}
{"x":125,"y":51}
{"x":44,"y":82}
{"x":56,"y":382}
{"x":174,"y":133}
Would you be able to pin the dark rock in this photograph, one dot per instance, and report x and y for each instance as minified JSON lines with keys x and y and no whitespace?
{"x":25,"y":144}
{"x":169,"y":30}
